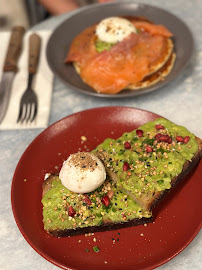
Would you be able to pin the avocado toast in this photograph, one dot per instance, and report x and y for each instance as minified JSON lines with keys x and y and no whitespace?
{"x":147,"y":162}
{"x":107,"y":208}
{"x":142,"y":166}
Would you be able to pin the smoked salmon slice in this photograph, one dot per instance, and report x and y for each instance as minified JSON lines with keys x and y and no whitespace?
{"x":153,"y":29}
{"x":127,"y":62}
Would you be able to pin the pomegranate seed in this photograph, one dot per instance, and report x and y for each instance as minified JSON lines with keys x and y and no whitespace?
{"x":139,"y":132}
{"x":170,"y":140}
{"x":127,"y":145}
{"x":157,"y":136}
{"x":180,"y":139}
{"x":125,"y":166}
{"x":159,"y":127}
{"x":149,"y":149}
{"x":71,"y":211}
{"x":106,"y":200}
{"x":110,"y":194}
{"x":186,"y":139}
{"x":164,"y":138}
{"x":87,"y":200}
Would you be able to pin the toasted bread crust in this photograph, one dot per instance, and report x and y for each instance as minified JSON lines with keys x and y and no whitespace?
{"x":101,"y":228}
{"x":47,"y":184}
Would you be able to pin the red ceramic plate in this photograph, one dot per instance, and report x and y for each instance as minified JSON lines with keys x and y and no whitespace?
{"x":177,"y":220}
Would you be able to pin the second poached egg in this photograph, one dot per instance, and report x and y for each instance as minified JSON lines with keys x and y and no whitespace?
{"x":114,"y":29}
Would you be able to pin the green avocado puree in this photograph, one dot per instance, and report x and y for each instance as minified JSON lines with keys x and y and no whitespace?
{"x":103,"y":46}
{"x":149,"y":171}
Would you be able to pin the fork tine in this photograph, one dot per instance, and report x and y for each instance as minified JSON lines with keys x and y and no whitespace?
{"x":29,"y":112}
{"x":35,"y":112}
{"x":32,"y":112}
{"x":24,"y":113}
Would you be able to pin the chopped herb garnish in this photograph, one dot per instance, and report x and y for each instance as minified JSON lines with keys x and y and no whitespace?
{"x":99,"y":189}
{"x":96,"y":249}
{"x":160,"y":150}
{"x":87,"y":250}
{"x":149,"y":141}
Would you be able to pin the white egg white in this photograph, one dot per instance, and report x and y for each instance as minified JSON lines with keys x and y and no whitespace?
{"x":82,"y":181}
{"x":114,"y":29}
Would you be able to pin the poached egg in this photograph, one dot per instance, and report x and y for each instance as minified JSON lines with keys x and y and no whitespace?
{"x":82,"y":172}
{"x":114,"y":29}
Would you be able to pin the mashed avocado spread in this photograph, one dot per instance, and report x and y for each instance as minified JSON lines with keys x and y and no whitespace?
{"x":89,"y":209}
{"x":101,"y":45}
{"x":144,"y":160}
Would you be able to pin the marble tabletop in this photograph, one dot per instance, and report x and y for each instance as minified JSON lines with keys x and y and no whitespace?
{"x":180,"y":101}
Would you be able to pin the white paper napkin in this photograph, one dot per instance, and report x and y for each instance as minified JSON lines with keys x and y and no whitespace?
{"x":42,"y":83}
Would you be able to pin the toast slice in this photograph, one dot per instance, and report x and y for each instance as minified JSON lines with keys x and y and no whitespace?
{"x":142,"y":166}
{"x":149,"y":161}
{"x":66,"y":213}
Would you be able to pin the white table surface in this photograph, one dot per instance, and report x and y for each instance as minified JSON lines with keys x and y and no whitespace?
{"x":180,"y":101}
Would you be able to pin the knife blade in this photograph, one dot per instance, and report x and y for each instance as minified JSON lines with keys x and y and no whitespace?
{"x":10,"y":68}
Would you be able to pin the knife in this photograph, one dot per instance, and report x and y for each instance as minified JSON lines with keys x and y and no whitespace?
{"x":10,"y":68}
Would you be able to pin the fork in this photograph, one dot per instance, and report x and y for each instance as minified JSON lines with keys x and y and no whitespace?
{"x":29,"y":101}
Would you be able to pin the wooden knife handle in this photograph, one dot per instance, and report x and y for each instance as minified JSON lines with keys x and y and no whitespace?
{"x":34,"y":51}
{"x":14,"y":49}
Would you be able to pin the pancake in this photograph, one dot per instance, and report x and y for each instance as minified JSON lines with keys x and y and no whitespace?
{"x":157,"y":76}
{"x":158,"y":73}
{"x":150,"y":57}
{"x":165,"y":57}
